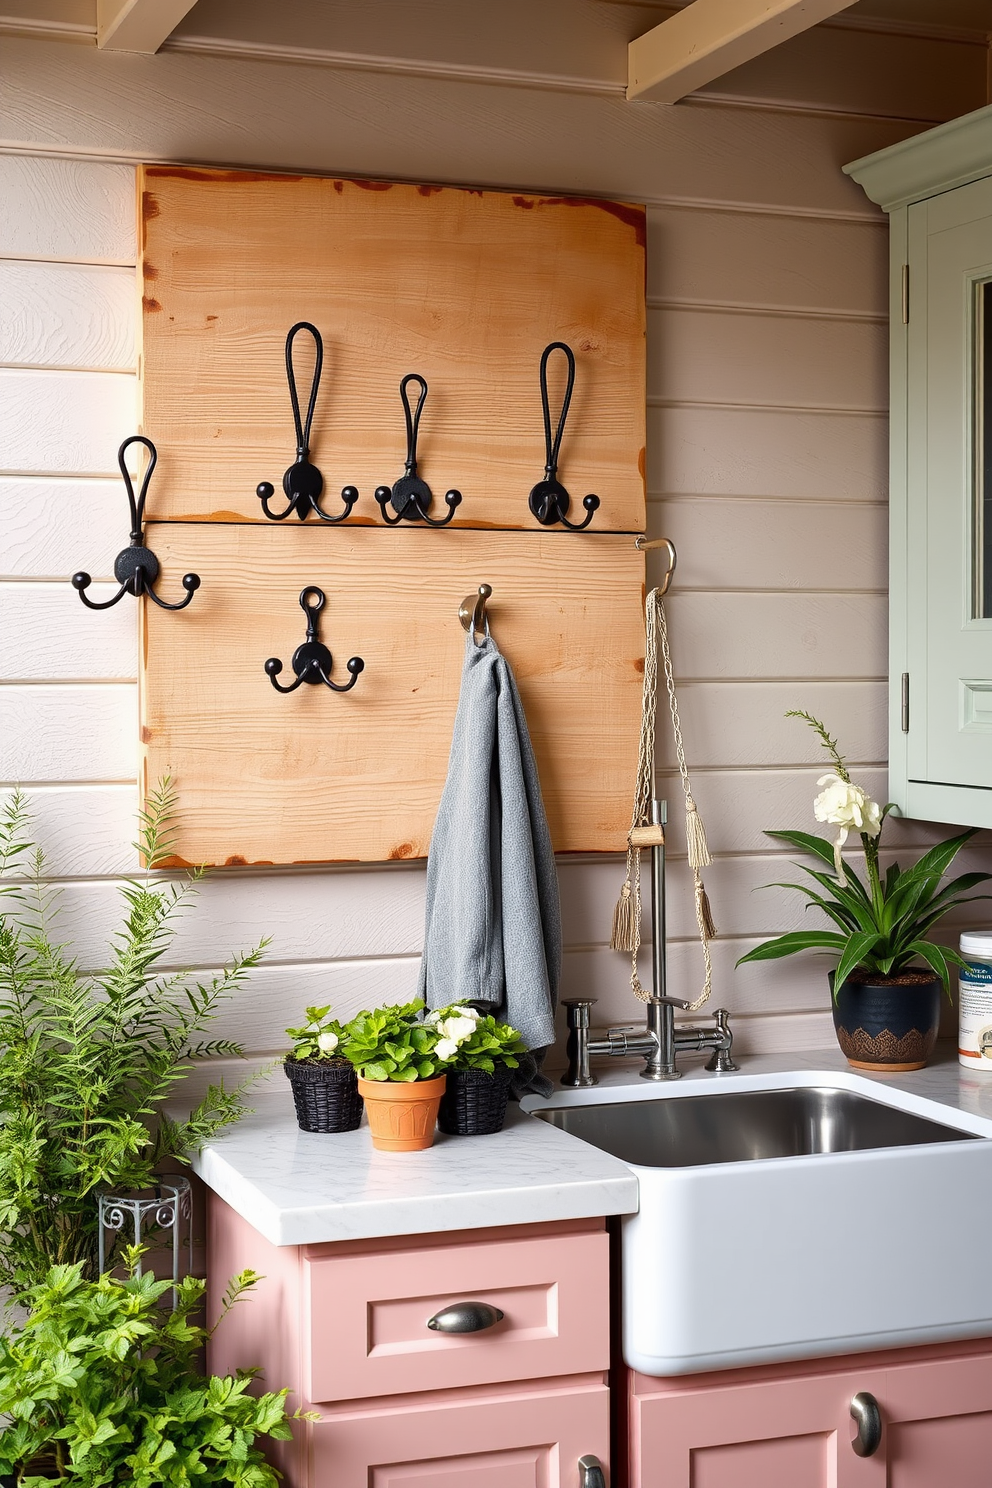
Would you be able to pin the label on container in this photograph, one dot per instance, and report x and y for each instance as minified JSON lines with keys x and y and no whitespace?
{"x":975,"y":1015}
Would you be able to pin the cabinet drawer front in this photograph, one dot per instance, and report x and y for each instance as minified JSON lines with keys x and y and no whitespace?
{"x":367,"y":1332}
{"x":525,"y":1440}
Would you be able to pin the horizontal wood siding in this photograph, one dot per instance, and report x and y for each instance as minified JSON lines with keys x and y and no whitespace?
{"x":766,"y":434}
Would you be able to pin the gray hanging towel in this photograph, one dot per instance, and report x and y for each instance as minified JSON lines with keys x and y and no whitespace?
{"x":493,"y":930}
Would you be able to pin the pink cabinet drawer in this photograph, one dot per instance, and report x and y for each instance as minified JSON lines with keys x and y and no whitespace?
{"x":527,"y":1438}
{"x":365,"y":1316}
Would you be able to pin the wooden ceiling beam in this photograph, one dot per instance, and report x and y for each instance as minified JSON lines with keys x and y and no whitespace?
{"x":710,"y":37}
{"x":138,"y":25}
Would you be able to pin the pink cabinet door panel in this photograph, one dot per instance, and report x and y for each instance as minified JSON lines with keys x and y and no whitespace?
{"x":530,"y":1439}
{"x":367,"y":1330}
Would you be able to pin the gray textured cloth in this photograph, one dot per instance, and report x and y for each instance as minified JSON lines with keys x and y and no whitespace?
{"x":493,"y":931}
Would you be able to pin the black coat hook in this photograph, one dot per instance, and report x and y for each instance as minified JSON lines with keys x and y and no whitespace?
{"x":303,"y":482}
{"x":136,"y":568}
{"x":312,"y":661}
{"x":410,"y":496}
{"x":549,"y":501}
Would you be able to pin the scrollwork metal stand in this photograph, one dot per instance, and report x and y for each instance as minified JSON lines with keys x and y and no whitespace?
{"x":168,"y":1207}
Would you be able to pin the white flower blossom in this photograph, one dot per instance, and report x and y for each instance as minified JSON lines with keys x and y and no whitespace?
{"x":457,"y":1028}
{"x":327,"y":1043}
{"x":445,"y":1048}
{"x":848,"y":807}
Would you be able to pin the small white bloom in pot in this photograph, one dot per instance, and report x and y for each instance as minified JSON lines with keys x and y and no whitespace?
{"x":458,"y":1029}
{"x":446,"y":1048}
{"x":327,"y":1043}
{"x":848,"y":807}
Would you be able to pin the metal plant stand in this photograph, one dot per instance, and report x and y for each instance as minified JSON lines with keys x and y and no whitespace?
{"x":166,"y":1207}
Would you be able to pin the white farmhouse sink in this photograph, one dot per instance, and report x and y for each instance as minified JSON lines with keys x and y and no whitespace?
{"x":790,"y":1215}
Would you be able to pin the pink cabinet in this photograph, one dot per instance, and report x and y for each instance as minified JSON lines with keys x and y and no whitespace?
{"x":791,"y":1426}
{"x":402,"y":1405}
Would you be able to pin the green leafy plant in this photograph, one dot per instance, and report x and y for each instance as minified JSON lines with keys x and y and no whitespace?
{"x":393,"y":1043}
{"x":882,"y":922}
{"x":87,"y":1061}
{"x":468,"y":1039}
{"x":100,"y":1387}
{"x":320,"y":1038}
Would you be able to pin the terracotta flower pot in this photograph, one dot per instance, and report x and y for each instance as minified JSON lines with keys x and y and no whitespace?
{"x":887,"y":1023}
{"x":402,"y":1116}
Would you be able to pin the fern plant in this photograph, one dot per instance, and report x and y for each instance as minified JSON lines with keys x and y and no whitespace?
{"x":88,"y":1061}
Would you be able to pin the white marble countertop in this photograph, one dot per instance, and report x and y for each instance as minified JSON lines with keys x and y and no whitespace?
{"x":300,"y":1188}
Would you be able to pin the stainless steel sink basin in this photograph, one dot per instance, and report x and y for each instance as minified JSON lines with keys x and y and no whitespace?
{"x":747,"y":1126}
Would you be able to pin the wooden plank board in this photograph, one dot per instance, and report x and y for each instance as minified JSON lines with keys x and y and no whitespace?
{"x":65,"y":422}
{"x":81,"y":210}
{"x":463,"y":287}
{"x":67,"y":733}
{"x":47,"y":634}
{"x":53,"y":526}
{"x":67,"y":315}
{"x":317,"y":776}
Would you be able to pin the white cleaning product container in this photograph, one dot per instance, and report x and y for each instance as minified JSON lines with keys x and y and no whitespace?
{"x":975,"y":1001}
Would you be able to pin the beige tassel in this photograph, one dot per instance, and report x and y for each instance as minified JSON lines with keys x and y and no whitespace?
{"x":695,"y":835}
{"x":624,"y":936}
{"x":704,"y":914}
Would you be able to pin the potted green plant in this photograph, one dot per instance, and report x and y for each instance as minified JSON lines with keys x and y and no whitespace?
{"x":87,"y":1061}
{"x":325,"y":1086}
{"x":480,"y":1053}
{"x":400,"y":1074}
{"x":99,"y":1387}
{"x":886,"y":1005}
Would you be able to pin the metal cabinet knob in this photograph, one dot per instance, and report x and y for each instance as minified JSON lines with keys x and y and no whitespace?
{"x":465,"y":1317}
{"x":868,"y":1418}
{"x":591,"y":1474}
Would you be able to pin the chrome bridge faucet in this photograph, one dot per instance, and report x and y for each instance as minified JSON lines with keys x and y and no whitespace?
{"x":659,"y":1040}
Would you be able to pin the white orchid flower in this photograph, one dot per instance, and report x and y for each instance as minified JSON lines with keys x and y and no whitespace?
{"x":848,"y":807}
{"x":327,"y":1043}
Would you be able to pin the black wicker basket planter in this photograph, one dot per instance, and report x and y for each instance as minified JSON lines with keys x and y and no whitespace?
{"x":474,"y":1102}
{"x":325,"y":1092}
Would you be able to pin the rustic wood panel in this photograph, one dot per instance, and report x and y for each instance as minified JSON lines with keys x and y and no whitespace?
{"x":317,"y":776}
{"x":465,"y":287}
{"x":756,"y":260}
{"x":66,"y":209}
{"x":65,"y":422}
{"x":768,"y":452}
{"x":67,"y":733}
{"x":67,"y":315}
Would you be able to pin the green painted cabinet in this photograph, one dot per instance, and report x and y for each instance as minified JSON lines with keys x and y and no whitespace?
{"x":937,"y":190}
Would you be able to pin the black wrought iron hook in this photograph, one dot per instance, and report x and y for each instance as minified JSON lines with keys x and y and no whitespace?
{"x":303,"y":482}
{"x":312,"y":662}
{"x":549,"y":501}
{"x":411,"y":496}
{"x":136,"y":568}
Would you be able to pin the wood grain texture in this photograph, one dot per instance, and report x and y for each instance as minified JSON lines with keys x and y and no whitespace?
{"x":466,"y":288}
{"x":67,"y":315}
{"x":80,"y":210}
{"x":37,"y":620}
{"x":767,"y":452}
{"x":50,"y":734}
{"x":756,"y":261}
{"x":65,"y":423}
{"x":709,"y":356}
{"x":85,"y":830}
{"x":53,"y":526}
{"x":317,"y":776}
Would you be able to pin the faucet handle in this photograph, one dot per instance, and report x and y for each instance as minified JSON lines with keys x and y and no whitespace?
{"x":673,"y":1002}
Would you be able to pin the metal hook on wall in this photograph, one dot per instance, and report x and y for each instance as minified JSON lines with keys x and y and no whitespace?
{"x":472,"y":612}
{"x":643,"y":543}
{"x":303,"y":482}
{"x":411,"y":496}
{"x":136,"y":568}
{"x":549,"y":501}
{"x":312,"y":662}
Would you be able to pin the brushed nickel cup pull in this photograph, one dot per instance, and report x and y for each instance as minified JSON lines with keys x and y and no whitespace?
{"x":868,"y":1419}
{"x":591,"y":1474}
{"x":465,"y":1317}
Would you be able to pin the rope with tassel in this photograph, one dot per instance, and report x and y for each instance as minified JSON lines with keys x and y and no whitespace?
{"x":627,"y":916}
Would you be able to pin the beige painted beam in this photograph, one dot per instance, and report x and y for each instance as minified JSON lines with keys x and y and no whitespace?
{"x":710,"y":37}
{"x":138,"y":25}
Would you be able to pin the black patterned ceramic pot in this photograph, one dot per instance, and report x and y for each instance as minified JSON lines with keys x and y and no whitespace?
{"x":887,"y":1023}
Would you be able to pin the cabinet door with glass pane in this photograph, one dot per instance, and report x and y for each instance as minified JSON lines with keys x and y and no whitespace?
{"x":948,"y":600}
